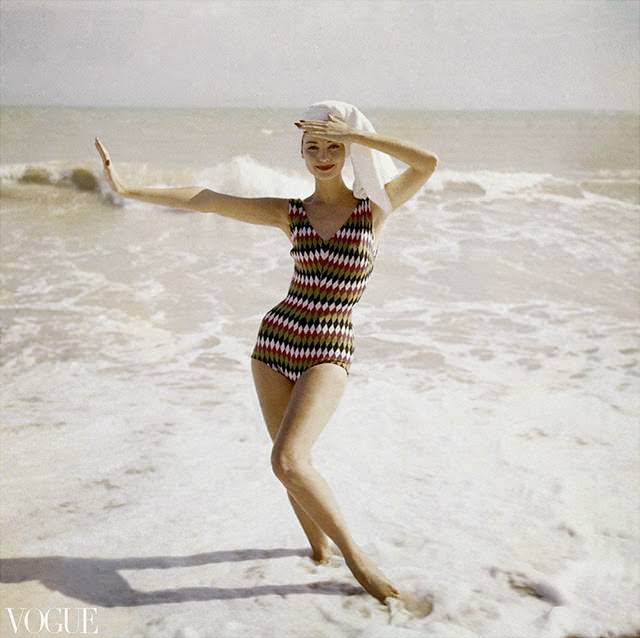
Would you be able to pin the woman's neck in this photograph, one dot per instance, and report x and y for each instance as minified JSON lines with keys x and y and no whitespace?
{"x":331,"y":192}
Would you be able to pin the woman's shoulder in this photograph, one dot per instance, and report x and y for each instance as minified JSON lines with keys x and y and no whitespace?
{"x":378,"y":214}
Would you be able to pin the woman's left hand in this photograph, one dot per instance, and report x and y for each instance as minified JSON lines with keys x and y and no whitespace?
{"x":334,"y":128}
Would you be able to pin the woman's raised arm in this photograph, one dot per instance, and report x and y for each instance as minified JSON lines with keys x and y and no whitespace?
{"x":267,"y":211}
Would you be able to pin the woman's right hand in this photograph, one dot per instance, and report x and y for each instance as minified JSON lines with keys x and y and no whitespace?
{"x":109,"y":172}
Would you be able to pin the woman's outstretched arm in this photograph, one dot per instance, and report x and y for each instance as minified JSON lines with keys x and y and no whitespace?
{"x":267,"y":211}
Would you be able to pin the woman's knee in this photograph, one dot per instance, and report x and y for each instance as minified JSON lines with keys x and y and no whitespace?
{"x":288,"y":466}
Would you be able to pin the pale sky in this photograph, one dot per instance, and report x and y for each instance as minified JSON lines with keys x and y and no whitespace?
{"x":440,"y":54}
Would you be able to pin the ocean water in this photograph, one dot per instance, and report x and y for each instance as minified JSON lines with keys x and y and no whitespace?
{"x":492,"y":401}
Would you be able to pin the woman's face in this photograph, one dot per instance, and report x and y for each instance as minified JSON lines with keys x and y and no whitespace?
{"x":324,"y":158}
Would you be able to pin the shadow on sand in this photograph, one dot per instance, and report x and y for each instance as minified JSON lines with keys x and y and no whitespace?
{"x":96,"y":580}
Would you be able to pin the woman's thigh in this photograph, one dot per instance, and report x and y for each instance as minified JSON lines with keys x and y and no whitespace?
{"x":273,"y":390}
{"x":314,"y":399}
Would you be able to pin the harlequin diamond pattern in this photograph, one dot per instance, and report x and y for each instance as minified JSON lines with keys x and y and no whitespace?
{"x":312,"y":324}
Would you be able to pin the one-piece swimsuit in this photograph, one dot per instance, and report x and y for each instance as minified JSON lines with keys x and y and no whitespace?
{"x":312,"y":324}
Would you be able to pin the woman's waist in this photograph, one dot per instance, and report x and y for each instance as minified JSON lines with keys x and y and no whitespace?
{"x":311,"y":312}
{"x":338,"y":295}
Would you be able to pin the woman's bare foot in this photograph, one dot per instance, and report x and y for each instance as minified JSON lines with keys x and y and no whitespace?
{"x":321,"y":555}
{"x":371,"y":578}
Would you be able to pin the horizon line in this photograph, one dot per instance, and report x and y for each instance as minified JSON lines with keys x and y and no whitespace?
{"x":290,"y":108}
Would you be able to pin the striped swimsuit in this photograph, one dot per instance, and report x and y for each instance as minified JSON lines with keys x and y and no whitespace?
{"x":312,"y":324}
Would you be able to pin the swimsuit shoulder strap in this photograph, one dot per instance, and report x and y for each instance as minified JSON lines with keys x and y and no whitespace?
{"x":294,"y":213}
{"x":367,"y":203}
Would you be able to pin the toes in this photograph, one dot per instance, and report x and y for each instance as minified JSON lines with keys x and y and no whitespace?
{"x":323,"y":560}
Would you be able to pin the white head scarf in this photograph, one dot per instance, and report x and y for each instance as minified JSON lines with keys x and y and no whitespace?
{"x":371,"y":169}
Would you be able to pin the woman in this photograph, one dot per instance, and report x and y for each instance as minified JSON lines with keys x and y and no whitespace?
{"x":304,"y":346}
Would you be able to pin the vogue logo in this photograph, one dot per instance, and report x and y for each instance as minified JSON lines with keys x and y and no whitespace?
{"x":56,"y":620}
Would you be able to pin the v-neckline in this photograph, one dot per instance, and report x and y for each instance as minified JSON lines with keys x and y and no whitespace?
{"x":326,"y":241}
